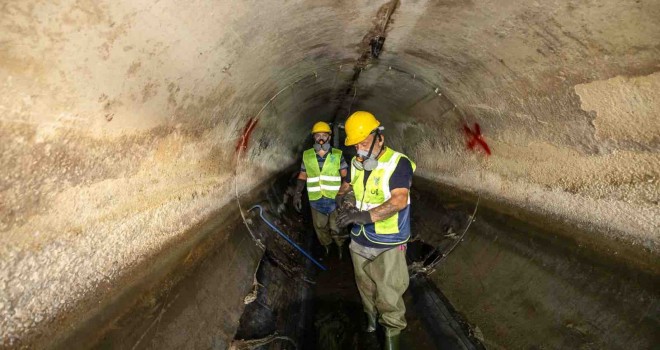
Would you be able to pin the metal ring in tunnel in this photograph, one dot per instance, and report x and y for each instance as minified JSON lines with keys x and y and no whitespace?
{"x":315,"y":73}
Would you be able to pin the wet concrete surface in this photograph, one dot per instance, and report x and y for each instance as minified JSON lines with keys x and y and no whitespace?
{"x":281,"y":306}
{"x":524,"y":285}
{"x":335,"y":319}
{"x":337,"y":301}
{"x":191,"y":296}
{"x":199,"y":310}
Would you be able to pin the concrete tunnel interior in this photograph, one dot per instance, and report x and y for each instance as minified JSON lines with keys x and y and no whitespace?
{"x":132,"y":131}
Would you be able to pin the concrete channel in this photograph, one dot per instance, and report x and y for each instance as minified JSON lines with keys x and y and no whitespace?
{"x":506,"y":278}
{"x":136,"y":135}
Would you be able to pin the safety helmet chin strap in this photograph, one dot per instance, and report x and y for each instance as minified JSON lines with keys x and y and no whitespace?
{"x":371,"y":162}
{"x":373,"y":143}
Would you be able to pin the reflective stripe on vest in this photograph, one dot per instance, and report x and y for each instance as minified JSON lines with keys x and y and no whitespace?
{"x":322,"y":182}
{"x":386,"y":231}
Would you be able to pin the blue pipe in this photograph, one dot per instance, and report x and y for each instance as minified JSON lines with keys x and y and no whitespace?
{"x":261,"y":214}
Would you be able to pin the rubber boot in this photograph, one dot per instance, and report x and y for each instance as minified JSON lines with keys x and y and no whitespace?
{"x":392,"y":342}
{"x":371,"y":323}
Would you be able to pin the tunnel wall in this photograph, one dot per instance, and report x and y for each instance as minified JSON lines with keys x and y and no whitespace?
{"x":565,"y":94}
{"x":521,"y":284}
{"x":120,"y":120}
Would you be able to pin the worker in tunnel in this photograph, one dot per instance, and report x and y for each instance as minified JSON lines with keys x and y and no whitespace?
{"x":376,"y":202}
{"x":322,"y":170}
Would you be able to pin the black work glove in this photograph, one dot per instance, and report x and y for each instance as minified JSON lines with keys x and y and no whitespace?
{"x":297,"y":201}
{"x":353,"y":217}
{"x":339,"y":200}
{"x":346,"y":202}
{"x":297,"y":196}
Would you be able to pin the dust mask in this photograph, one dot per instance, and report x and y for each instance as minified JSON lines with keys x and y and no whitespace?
{"x":321,"y":144}
{"x":366,"y":160}
{"x":318,"y":147}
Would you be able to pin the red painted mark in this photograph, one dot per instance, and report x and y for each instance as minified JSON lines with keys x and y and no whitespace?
{"x":245,"y":136}
{"x":475,"y":138}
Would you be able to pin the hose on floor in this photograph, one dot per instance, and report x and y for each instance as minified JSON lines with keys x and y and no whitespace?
{"x":289,"y":240}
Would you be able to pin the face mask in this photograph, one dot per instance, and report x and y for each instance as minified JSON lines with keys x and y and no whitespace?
{"x":318,"y":147}
{"x":369,"y":161}
{"x":368,"y":164}
{"x":321,"y":143}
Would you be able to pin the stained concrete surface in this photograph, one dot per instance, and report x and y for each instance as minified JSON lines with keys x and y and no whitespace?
{"x":524,"y":287}
{"x":119,"y":121}
{"x":199,"y":310}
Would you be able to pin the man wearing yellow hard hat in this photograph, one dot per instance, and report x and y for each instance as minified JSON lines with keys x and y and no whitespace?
{"x":376,"y":201}
{"x":322,"y":170}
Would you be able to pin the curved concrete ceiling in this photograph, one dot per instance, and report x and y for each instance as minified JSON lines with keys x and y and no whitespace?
{"x":120,"y":120}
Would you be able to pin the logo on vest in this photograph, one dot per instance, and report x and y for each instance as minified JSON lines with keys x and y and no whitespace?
{"x":376,"y":182}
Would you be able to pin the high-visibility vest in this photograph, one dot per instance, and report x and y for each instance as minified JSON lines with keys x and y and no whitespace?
{"x":395,"y":229}
{"x":322,"y":182}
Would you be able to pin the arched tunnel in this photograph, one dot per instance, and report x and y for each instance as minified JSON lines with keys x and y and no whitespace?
{"x":137,"y":135}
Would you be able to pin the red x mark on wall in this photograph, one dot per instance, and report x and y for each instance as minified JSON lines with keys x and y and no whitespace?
{"x":242,"y":143}
{"x":475,"y":138}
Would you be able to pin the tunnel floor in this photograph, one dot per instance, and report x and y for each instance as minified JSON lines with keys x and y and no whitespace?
{"x":294,"y":300}
{"x":325,"y":311}
{"x":333,"y":317}
{"x":337,"y":301}
{"x":502,"y":275}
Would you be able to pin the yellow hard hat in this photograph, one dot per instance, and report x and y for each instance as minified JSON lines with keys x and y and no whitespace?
{"x":321,"y":127}
{"x":358,"y":126}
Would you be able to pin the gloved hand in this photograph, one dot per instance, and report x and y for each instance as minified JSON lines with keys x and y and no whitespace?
{"x":353,"y":217}
{"x":339,"y":200}
{"x":346,"y":202}
{"x":346,"y":210}
{"x":297,"y":201}
{"x":297,"y":195}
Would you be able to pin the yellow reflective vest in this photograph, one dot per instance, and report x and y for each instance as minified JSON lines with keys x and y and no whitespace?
{"x":322,"y":182}
{"x":395,"y":229}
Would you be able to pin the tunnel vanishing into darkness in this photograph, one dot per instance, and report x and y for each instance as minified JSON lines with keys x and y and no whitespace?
{"x":133,"y":130}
